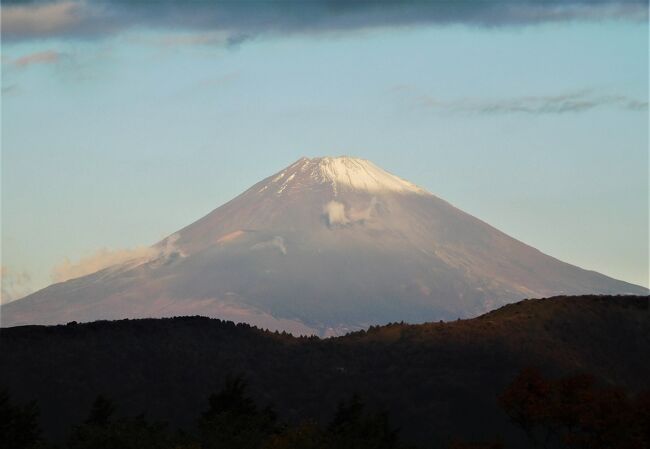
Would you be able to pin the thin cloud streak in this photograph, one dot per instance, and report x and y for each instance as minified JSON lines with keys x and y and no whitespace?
{"x":574,"y":102}
{"x":241,"y":21}
{"x":42,"y":57}
{"x":10,"y":90}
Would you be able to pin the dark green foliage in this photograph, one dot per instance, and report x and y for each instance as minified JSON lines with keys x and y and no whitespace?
{"x":232,"y":399}
{"x":354,"y":428}
{"x":18,"y":424}
{"x":101,"y":412}
{"x":101,"y":430}
{"x":303,"y":436}
{"x":476,"y":445}
{"x":571,"y":412}
{"x":234,"y":421}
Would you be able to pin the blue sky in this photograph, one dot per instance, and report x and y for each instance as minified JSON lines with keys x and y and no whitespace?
{"x":115,"y":140}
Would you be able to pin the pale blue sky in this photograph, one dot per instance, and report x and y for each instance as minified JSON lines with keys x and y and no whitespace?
{"x":540,"y":130}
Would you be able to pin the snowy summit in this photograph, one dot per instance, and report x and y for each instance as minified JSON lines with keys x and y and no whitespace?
{"x":343,"y":172}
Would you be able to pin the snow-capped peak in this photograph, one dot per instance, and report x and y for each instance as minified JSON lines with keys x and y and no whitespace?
{"x":361,"y":174}
{"x":341,"y":172}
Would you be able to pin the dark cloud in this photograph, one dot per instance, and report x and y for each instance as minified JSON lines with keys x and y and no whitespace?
{"x":243,"y":20}
{"x":535,"y":105}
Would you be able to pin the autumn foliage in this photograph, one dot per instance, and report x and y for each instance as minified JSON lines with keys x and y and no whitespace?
{"x":576,"y":412}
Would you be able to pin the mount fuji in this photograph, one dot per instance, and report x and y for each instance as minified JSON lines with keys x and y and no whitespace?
{"x":325,"y":246}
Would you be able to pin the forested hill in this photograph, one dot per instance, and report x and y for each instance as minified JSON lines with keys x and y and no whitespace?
{"x":435,"y":380}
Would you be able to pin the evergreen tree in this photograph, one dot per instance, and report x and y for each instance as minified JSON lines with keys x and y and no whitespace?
{"x":234,"y":421}
{"x":354,"y":429}
{"x":102,"y":431}
{"x":18,"y":425}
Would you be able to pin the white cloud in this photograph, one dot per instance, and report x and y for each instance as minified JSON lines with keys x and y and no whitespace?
{"x":364,"y":214}
{"x":105,"y":258}
{"x":15,"y":284}
{"x":335,"y":213}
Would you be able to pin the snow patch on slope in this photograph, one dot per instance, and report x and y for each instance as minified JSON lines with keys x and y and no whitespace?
{"x":286,"y":183}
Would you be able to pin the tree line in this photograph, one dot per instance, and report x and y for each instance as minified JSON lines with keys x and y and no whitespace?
{"x":572,"y":412}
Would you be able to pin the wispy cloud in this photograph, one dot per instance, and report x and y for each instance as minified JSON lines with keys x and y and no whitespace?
{"x":15,"y":284}
{"x":217,"y":81}
{"x":240,"y":21}
{"x":103,"y":258}
{"x":573,"y":102}
{"x":42,"y":57}
{"x":10,"y":90}
{"x":192,"y":38}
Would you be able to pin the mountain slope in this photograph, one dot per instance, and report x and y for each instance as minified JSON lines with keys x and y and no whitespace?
{"x":325,"y":246}
{"x":437,"y":379}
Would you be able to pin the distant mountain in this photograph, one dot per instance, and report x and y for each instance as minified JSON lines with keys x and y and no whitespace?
{"x":437,"y":380}
{"x":325,"y":246}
